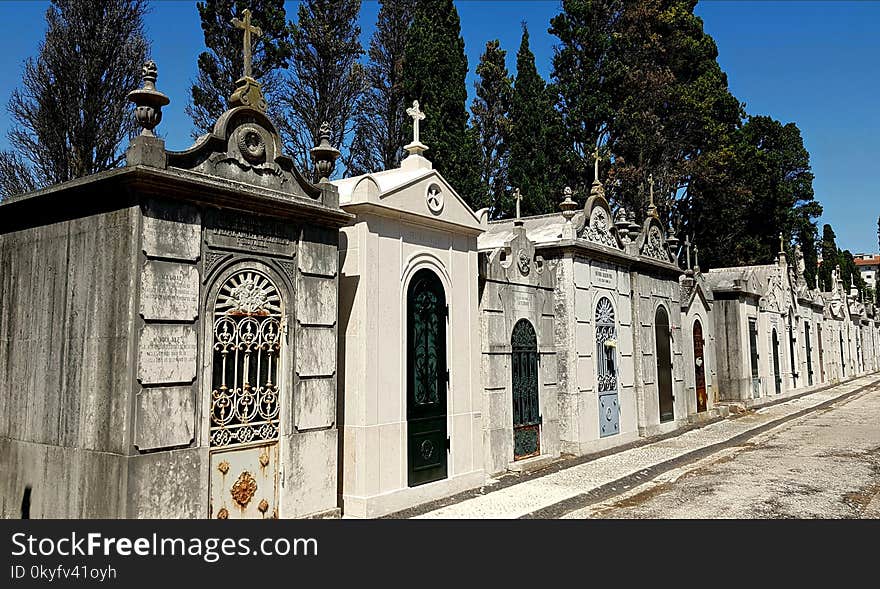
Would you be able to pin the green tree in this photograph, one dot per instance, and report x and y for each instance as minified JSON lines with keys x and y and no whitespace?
{"x":586,"y":31}
{"x":326,"y":78}
{"x":830,"y":258}
{"x":750,"y":191}
{"x":434,"y":71}
{"x":671,"y":101}
{"x":223,"y":63}
{"x":71,"y":115}
{"x":380,"y":127}
{"x":491,"y":120}
{"x":535,"y":134}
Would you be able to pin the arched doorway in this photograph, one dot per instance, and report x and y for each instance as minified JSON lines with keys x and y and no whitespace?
{"x":526,"y":411}
{"x":606,"y":368}
{"x":247,"y":392}
{"x":699,"y":367}
{"x":427,"y":379}
{"x":777,"y":376}
{"x":662,"y":341}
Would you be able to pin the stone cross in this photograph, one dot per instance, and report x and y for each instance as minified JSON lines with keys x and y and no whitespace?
{"x":596,"y":164}
{"x":781,"y":242}
{"x":417,"y":116}
{"x":687,"y":244}
{"x":651,"y":184}
{"x":517,"y":195}
{"x":248,"y":30}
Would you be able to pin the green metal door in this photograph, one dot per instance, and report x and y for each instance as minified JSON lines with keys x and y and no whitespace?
{"x":427,"y":378}
{"x":526,"y":412}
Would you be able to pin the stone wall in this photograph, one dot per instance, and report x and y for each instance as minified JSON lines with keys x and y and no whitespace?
{"x":507,"y":295}
{"x":66,"y":348}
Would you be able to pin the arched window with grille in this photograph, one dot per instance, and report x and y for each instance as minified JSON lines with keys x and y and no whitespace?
{"x":246,"y":356}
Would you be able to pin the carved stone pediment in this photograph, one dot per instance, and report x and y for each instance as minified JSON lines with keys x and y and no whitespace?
{"x":245,"y":147}
{"x":652,"y":241}
{"x":599,"y":225}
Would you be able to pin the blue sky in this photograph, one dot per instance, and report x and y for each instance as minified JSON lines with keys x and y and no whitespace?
{"x":811,"y":62}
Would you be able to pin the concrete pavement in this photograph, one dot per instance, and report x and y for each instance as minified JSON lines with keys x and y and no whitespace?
{"x":588,"y":489}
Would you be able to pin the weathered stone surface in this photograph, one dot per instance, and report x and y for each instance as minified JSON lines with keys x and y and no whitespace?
{"x":316,"y":300}
{"x":165,"y":417}
{"x":315,"y":403}
{"x":171,"y":232}
{"x":310,"y":473}
{"x":167,"y":354}
{"x":315,"y":351}
{"x":169,"y":291}
{"x":164,"y":484}
{"x":317,"y":253}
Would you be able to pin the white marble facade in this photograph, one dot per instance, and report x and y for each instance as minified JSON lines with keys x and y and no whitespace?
{"x":410,"y":223}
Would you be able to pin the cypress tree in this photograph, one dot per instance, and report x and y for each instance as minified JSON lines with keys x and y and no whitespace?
{"x":381,"y":120}
{"x":535,"y":135}
{"x":434,"y":72}
{"x":326,"y":77}
{"x":830,"y":258}
{"x":223,"y":63}
{"x":490,"y":110}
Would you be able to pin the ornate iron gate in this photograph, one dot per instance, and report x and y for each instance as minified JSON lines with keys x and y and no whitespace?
{"x":245,"y":398}
{"x":699,"y":367}
{"x":662,"y":340}
{"x":427,"y":379}
{"x":777,"y":377}
{"x":606,"y":367}
{"x":526,"y":411}
{"x":821,"y":355}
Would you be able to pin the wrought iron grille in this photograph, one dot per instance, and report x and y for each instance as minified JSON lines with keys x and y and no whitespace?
{"x":247,"y":345}
{"x":428,"y":310}
{"x":606,"y":343}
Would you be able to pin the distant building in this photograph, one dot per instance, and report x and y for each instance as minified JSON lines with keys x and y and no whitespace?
{"x":869,"y":266}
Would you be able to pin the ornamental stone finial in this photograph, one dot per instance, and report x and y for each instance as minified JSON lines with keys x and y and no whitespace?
{"x":148,"y":101}
{"x":324,"y":155}
{"x":652,"y":208}
{"x":568,"y":205}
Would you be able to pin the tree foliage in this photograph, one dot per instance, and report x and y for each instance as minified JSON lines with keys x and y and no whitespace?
{"x":223,"y":63}
{"x":380,"y":128}
{"x":535,"y":134}
{"x":326,"y":78}
{"x":491,"y":120}
{"x":750,"y":191}
{"x":830,"y":258}
{"x":434,"y":72}
{"x":71,"y":114}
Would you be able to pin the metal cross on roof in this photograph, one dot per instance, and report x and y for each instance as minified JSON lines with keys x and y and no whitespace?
{"x":249,"y":29}
{"x":417,"y":116}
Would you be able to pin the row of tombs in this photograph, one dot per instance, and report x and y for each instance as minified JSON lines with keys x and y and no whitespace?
{"x":208,"y":333}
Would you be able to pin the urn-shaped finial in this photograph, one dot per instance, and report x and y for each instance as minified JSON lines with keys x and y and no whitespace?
{"x":148,"y":101}
{"x":622,"y":224}
{"x":324,"y":155}
{"x":569,"y":206}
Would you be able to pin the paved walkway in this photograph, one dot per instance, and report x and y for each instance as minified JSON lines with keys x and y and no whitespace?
{"x":564,"y":491}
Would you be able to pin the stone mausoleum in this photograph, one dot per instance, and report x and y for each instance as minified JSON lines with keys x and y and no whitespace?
{"x":168,"y":329}
{"x":213,"y":333}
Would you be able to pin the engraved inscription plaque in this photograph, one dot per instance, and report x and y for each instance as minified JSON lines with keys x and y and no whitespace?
{"x":164,"y":238}
{"x":603,"y":276}
{"x":167,"y":354}
{"x":250,"y":233}
{"x":169,"y":291}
